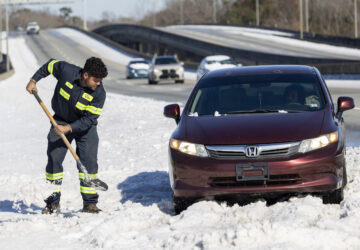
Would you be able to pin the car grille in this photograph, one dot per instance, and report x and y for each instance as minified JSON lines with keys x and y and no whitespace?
{"x":265,"y":151}
{"x":169,"y":74}
{"x":274,"y":180}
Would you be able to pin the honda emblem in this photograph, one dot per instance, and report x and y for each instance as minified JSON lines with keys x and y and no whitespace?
{"x":252,"y":151}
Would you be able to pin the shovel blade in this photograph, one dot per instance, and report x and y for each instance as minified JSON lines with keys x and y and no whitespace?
{"x":95,"y":183}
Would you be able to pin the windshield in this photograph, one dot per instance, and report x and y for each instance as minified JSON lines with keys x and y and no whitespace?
{"x":282,"y":93}
{"x":138,"y":62}
{"x":166,"y":60}
{"x":226,"y":61}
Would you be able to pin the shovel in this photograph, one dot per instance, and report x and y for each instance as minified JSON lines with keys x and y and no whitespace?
{"x":96,"y":183}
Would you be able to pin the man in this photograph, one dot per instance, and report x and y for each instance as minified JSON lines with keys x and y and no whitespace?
{"x":78,"y":100}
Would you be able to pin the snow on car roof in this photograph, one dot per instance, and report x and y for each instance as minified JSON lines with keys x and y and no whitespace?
{"x":217,"y":58}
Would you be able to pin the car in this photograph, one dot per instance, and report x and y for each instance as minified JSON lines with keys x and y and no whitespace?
{"x":258,"y":132}
{"x":19,"y":28}
{"x":32,"y":28}
{"x":137,"y":68}
{"x":214,"y":62}
{"x":165,"y":68}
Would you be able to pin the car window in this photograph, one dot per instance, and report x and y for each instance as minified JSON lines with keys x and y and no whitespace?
{"x":137,"y":62}
{"x":167,"y":60}
{"x":240,"y":94}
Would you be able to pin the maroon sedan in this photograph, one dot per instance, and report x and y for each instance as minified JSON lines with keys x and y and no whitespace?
{"x":261,"y":131}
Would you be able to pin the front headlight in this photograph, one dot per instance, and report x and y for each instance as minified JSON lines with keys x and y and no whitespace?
{"x":319,"y":142}
{"x":180,"y":70}
{"x":189,"y":148}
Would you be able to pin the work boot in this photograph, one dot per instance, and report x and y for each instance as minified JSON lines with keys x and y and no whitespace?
{"x":91,"y":208}
{"x":49,"y":209}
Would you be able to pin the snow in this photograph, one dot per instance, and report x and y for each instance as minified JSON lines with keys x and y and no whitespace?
{"x":138,"y":212}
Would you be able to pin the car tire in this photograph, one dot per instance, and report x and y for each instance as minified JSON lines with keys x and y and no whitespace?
{"x":181,"y":204}
{"x":152,"y":82}
{"x":179,"y":81}
{"x":333,"y":197}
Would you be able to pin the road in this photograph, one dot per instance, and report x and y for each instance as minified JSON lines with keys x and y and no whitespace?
{"x":48,"y":43}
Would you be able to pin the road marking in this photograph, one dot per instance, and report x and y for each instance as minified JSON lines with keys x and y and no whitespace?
{"x":357,"y":108}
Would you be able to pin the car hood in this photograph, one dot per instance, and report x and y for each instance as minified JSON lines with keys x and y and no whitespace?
{"x":251,"y":128}
{"x":139,"y":66}
{"x":168,"y":66}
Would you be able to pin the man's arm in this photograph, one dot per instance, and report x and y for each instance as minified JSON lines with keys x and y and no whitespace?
{"x":53,"y":67}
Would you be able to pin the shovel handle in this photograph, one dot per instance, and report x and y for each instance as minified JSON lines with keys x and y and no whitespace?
{"x":54,"y":123}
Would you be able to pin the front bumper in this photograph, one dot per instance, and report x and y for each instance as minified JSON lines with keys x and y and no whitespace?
{"x":318,"y":171}
{"x":138,"y":74}
{"x":167,"y":75}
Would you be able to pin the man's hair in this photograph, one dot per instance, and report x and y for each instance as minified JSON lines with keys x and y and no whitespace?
{"x":95,"y":67}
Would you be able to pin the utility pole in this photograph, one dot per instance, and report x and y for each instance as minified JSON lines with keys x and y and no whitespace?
{"x":214,"y":10}
{"x":257,"y":13}
{"x":307,"y":14}
{"x":7,"y":37}
{"x":355,"y":19}
{"x":1,"y":36}
{"x":181,"y":12}
{"x":301,"y":19}
{"x":84,"y":15}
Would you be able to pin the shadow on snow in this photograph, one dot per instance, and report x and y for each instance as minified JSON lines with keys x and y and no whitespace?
{"x":148,"y":188}
{"x":18,"y":207}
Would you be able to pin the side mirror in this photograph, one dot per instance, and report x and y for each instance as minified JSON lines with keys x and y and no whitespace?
{"x":172,"y":111}
{"x":344,"y":103}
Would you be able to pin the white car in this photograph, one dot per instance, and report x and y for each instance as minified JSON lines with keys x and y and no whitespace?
{"x":210,"y":63}
{"x":32,"y":28}
{"x":166,"y":68}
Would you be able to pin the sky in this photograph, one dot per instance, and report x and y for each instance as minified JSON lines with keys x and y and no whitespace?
{"x":95,"y":8}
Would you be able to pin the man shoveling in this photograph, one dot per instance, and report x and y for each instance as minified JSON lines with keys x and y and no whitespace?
{"x":78,"y":100}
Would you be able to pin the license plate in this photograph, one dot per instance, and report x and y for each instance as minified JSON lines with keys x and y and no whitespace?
{"x":256,"y":171}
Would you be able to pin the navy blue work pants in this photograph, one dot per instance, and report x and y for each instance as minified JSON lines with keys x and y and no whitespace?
{"x":86,"y":148}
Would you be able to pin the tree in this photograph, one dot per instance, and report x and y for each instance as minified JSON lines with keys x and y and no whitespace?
{"x":65,"y":12}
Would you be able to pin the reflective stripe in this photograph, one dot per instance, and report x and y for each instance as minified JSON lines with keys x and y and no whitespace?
{"x":51,"y":66}
{"x":64,"y":94}
{"x":88,"y":97}
{"x":55,"y":176}
{"x":69,"y":85}
{"x":87,"y":190}
{"x":91,"y":176}
{"x":58,"y":190}
{"x":89,"y":108}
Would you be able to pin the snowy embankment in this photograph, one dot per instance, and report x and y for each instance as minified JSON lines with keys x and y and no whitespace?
{"x":106,"y":52}
{"x":138,"y":212}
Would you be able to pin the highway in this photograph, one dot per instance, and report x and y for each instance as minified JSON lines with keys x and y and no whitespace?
{"x":49,"y":44}
{"x":247,"y":39}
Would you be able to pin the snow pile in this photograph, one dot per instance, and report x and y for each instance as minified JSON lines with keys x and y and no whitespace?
{"x":138,"y":212}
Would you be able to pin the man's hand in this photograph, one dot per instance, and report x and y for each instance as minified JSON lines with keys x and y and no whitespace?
{"x":31,"y":86}
{"x":62,"y":129}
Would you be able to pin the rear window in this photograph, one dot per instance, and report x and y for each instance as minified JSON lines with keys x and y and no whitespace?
{"x":241,"y":94}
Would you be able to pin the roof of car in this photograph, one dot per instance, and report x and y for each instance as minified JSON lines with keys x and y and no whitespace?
{"x":268,"y":69}
{"x":159,"y":57}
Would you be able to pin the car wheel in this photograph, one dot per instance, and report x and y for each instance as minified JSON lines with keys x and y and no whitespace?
{"x":179,"y":81}
{"x":181,"y":204}
{"x":152,"y":82}
{"x":333,"y":197}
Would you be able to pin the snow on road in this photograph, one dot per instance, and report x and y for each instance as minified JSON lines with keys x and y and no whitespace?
{"x":138,"y":212}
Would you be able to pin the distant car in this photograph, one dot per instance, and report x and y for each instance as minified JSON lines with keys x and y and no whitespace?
{"x":258,"y":132}
{"x":166,"y":68}
{"x":137,"y":68}
{"x":214,"y":62}
{"x":19,"y":28}
{"x":32,"y":28}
